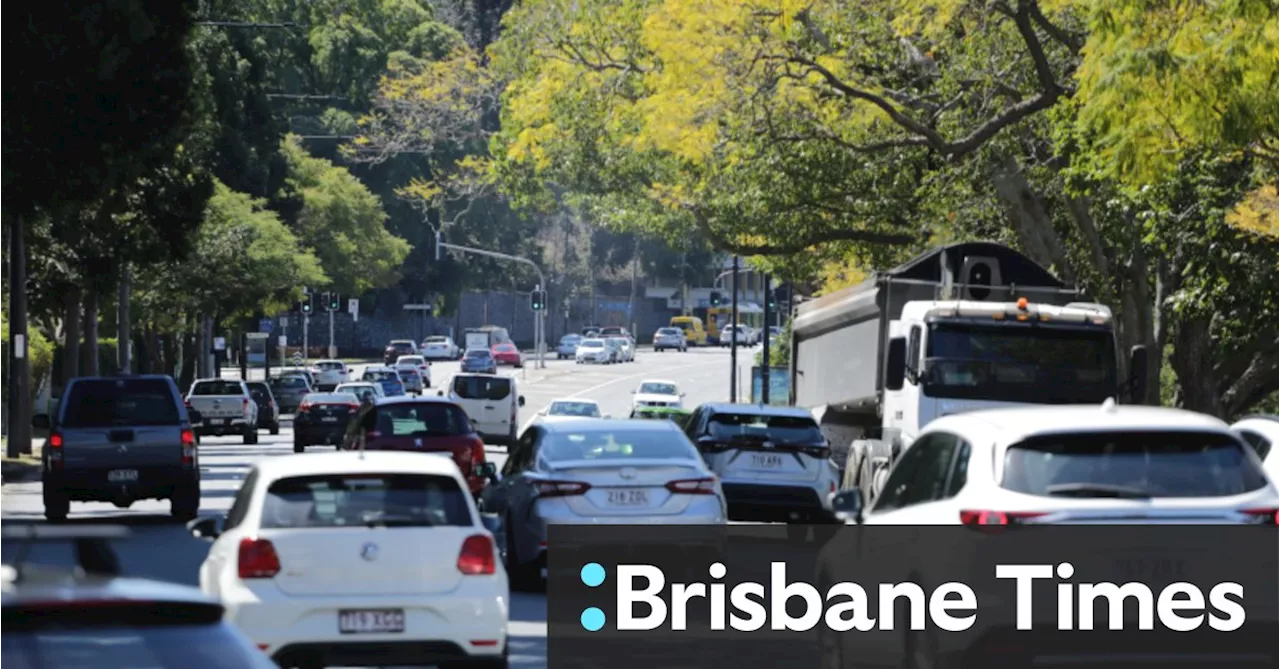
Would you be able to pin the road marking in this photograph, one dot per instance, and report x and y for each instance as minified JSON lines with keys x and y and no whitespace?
{"x":639,"y":375}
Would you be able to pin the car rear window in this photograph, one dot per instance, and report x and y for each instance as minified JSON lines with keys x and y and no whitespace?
{"x":422,"y":419}
{"x":1137,"y":464}
{"x":347,"y":500}
{"x":259,"y":392}
{"x":289,"y":382}
{"x":619,"y":444}
{"x":482,"y":387}
{"x":104,"y":403}
{"x":407,"y":374}
{"x":380,"y":376}
{"x":31,"y":644}
{"x":668,"y":331}
{"x":785,"y":429}
{"x":204,"y":388}
{"x":477,"y":353}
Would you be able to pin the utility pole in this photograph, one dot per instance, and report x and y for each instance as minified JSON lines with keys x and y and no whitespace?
{"x":330,"y":300}
{"x":764,"y":368}
{"x":19,"y":367}
{"x":733,"y":343}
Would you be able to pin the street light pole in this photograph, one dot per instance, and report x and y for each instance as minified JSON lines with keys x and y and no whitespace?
{"x":733,"y":342}
{"x":764,"y":367}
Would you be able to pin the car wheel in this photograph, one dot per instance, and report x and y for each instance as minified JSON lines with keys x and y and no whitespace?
{"x":56,"y":505}
{"x":185,"y":503}
{"x":251,"y":436}
{"x":275,"y":428}
{"x":298,"y":447}
{"x":521,"y":576}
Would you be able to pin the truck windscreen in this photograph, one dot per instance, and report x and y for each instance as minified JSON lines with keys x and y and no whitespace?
{"x":1040,"y":364}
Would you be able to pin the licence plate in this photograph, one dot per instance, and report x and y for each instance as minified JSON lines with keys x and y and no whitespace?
{"x":329,"y":419}
{"x":371,"y":621}
{"x":1151,"y":568}
{"x":633,"y":497}
{"x":118,"y":475}
{"x":766,"y":461}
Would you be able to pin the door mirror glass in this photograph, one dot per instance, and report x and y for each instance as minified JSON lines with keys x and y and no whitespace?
{"x":520,"y":400}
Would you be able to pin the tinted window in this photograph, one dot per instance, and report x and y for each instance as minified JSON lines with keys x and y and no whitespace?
{"x":482,"y":387}
{"x":56,"y":645}
{"x":426,"y":419}
{"x":477,"y":353}
{"x":1259,"y":443}
{"x":620,"y":445}
{"x":789,"y":429}
{"x":217,"y":388}
{"x":1152,"y":464}
{"x":103,"y":403}
{"x":291,"y":382}
{"x":668,"y":331}
{"x":400,"y":500}
{"x":592,"y":343}
{"x":437,"y":340}
{"x":657,"y":389}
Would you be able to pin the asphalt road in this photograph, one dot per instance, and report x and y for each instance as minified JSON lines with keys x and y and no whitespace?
{"x":162,"y":549}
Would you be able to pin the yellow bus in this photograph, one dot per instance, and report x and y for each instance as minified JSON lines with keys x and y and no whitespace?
{"x":693,"y":330}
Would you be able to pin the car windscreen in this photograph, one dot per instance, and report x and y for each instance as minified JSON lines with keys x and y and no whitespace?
{"x":1131,"y":464}
{"x":106,"y":403}
{"x":569,"y":339}
{"x":619,"y":445}
{"x":592,"y":343}
{"x":352,"y":500}
{"x":421,"y":419}
{"x":411,"y":360}
{"x":51,"y":642}
{"x":290,"y":382}
{"x":587,"y":409}
{"x":380,"y":376}
{"x":204,"y":388}
{"x":783,"y":429}
{"x":329,"y":366}
{"x":482,"y":387}
{"x":657,"y":389}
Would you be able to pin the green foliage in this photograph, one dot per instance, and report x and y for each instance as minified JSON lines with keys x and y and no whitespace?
{"x":342,"y":223}
{"x":39,"y":351}
{"x":779,"y":355}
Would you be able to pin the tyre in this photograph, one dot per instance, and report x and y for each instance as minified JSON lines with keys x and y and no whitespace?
{"x":275,"y":428}
{"x":185,"y":503}
{"x":56,"y":505}
{"x":521,"y":576}
{"x":298,"y":447}
{"x":251,"y":436}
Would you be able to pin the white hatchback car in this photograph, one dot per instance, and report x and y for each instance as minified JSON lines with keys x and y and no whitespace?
{"x":657,"y":393}
{"x":330,"y":374}
{"x":418,"y":363}
{"x":335,"y":559}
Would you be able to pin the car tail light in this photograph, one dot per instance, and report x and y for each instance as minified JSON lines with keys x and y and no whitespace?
{"x":1266,"y":516}
{"x":258,"y":559}
{"x":477,"y":454}
{"x":54,"y":447}
{"x":245,"y":407}
{"x":972,"y":517}
{"x":188,"y":447}
{"x":704,"y":486}
{"x":477,"y":558}
{"x":304,"y":407}
{"x":352,"y":408}
{"x":561,"y":488}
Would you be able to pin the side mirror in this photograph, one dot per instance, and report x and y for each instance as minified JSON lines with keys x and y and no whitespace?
{"x":1138,"y":374}
{"x":208,"y":527}
{"x":195,"y":416}
{"x":487,"y":470}
{"x":40,"y":421}
{"x":520,"y":400}
{"x":895,"y":369}
{"x":847,"y":505}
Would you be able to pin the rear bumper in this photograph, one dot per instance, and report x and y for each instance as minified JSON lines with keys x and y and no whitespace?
{"x":776,"y":501}
{"x":377,"y":653}
{"x":235,"y":426}
{"x":91,"y":485}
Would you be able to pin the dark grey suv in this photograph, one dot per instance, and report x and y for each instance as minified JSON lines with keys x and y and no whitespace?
{"x":119,"y":440}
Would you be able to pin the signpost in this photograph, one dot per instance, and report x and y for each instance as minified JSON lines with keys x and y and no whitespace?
{"x":265,"y":325}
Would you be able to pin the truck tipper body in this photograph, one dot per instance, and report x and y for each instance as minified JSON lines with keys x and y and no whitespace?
{"x":963,"y":327}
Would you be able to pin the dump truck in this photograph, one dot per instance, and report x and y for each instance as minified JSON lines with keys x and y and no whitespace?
{"x":963,"y":327}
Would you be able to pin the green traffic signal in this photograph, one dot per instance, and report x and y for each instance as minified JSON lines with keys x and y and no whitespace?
{"x":306,"y":303}
{"x":334,"y":299}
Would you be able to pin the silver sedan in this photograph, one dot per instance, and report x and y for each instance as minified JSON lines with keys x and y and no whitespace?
{"x":597,"y":471}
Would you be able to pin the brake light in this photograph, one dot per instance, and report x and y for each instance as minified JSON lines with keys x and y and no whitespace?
{"x":476,"y":558}
{"x":304,"y":407}
{"x":1265,"y":516}
{"x":54,"y":441}
{"x":561,"y":488}
{"x":53,"y":445}
{"x":705,"y":486}
{"x":970,"y":517}
{"x":258,"y":559}
{"x":352,"y":408}
{"x":245,"y":407}
{"x":477,"y":454}
{"x":188,"y":447}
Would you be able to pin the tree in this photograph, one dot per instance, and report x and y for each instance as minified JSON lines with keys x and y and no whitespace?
{"x":342,"y":223}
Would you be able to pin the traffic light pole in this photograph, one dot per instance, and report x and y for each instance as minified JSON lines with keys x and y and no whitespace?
{"x":767,"y":363}
{"x":733,"y":343}
{"x":539,"y":344}
{"x":306,"y":322}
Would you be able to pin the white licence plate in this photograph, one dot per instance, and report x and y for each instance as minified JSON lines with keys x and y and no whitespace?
{"x":118,"y":475}
{"x":329,"y":419}
{"x":771,"y":461}
{"x":628,"y":497}
{"x":371,"y":621}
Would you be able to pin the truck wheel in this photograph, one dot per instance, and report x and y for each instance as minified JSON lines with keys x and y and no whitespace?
{"x":251,"y":435}
{"x":56,"y":505}
{"x":275,"y":428}
{"x":298,"y":447}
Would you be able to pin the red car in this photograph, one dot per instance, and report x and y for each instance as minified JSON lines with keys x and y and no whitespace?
{"x":422,"y":425}
{"x":508,"y":354}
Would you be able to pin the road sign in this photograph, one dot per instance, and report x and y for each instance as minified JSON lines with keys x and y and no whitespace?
{"x":256,"y":335}
{"x":265,"y":325}
{"x":282,"y":341}
{"x":284,"y":321}
{"x":219,"y":343}
{"x":353,"y":305}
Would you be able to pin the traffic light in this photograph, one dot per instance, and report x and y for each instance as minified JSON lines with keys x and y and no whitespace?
{"x":306,"y":303}
{"x":716,"y":299}
{"x":773,"y":299}
{"x":334,"y":299}
{"x":538,"y":300}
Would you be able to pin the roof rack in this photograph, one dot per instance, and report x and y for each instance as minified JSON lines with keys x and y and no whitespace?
{"x":93,"y":552}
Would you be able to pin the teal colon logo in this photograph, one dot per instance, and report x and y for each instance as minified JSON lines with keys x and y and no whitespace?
{"x":592,"y":575}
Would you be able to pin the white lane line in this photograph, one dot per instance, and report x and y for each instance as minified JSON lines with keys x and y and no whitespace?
{"x":649,"y":373}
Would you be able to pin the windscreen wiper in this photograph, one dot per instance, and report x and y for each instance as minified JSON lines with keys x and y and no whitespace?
{"x":1097,"y":490}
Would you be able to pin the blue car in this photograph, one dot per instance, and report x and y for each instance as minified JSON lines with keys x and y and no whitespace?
{"x":479,"y":361}
{"x":388,"y":378}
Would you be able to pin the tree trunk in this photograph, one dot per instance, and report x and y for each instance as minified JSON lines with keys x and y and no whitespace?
{"x":124,"y":342}
{"x":1192,"y":361}
{"x":187,"y":375}
{"x":1030,"y":219}
{"x":90,"y":366}
{"x":71,"y":350}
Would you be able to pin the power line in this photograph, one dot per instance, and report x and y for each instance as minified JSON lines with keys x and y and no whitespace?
{"x":247,"y":24}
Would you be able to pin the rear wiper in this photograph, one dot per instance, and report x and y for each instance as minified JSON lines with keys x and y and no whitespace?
{"x":1097,"y":490}
{"x":397,"y":521}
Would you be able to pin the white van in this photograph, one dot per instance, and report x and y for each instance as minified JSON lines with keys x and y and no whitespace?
{"x":492,"y":402}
